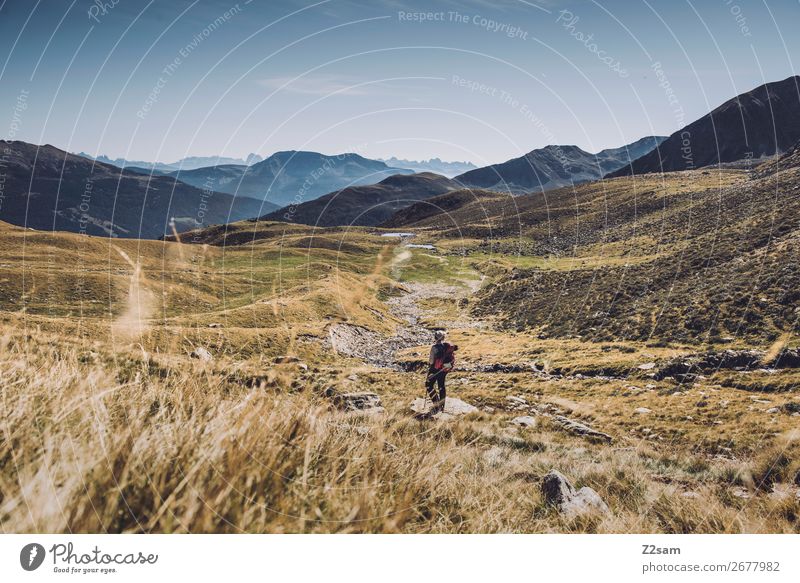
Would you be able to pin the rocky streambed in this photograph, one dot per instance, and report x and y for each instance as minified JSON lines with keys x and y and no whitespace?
{"x":380,"y":350}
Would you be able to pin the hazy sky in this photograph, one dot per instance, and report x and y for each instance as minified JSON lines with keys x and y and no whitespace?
{"x":471,"y":80}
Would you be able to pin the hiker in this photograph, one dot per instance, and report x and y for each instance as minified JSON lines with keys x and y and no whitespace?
{"x":441,"y":362}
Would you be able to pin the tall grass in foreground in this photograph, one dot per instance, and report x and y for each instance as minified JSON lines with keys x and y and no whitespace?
{"x":123,"y":443}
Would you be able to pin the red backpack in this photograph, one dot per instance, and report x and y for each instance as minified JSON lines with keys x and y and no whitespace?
{"x":447,"y":354}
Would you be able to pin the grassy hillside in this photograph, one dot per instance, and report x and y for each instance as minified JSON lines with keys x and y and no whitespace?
{"x":692,"y":256}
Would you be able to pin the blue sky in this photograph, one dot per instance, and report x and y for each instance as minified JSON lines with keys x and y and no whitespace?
{"x":471,"y":80}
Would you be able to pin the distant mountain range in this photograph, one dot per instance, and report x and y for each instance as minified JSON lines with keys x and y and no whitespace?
{"x":555,"y":166}
{"x":376,"y":203}
{"x":365,"y":205}
{"x":291,"y":177}
{"x":343,"y":189}
{"x":448,"y":169}
{"x":49,"y":189}
{"x":761,"y":122}
{"x":371,"y":205}
{"x":189,"y":163}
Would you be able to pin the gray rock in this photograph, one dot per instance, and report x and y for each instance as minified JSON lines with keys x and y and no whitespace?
{"x":647,"y":366}
{"x":581,"y":429}
{"x":201,"y":353}
{"x":792,"y":407}
{"x":516,"y":400}
{"x":358,"y":401}
{"x":524,"y":421}
{"x":452,"y":407}
{"x":558,"y":491}
{"x":642,"y":411}
{"x":740,"y":492}
{"x":586,"y":501}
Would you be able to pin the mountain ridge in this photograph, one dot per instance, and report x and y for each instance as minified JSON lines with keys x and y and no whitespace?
{"x":764,"y":121}
{"x":554,"y":166}
{"x":365,"y":205}
{"x":290,"y":175}
{"x":46,"y":188}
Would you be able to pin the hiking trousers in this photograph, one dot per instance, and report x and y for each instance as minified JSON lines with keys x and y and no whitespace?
{"x":438,"y":393}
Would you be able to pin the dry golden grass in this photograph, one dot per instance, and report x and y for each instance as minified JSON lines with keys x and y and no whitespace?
{"x":118,"y":441}
{"x":109,"y":432}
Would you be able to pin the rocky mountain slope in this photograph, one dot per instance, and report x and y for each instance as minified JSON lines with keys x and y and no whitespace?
{"x":761,"y":122}
{"x":290,"y":177}
{"x":687,"y":256}
{"x":555,"y":166}
{"x":365,"y":205}
{"x":48,"y":189}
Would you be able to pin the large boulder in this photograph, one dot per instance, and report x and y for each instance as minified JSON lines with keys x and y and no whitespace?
{"x":452,"y":407}
{"x":201,"y":353}
{"x":557,"y":491}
